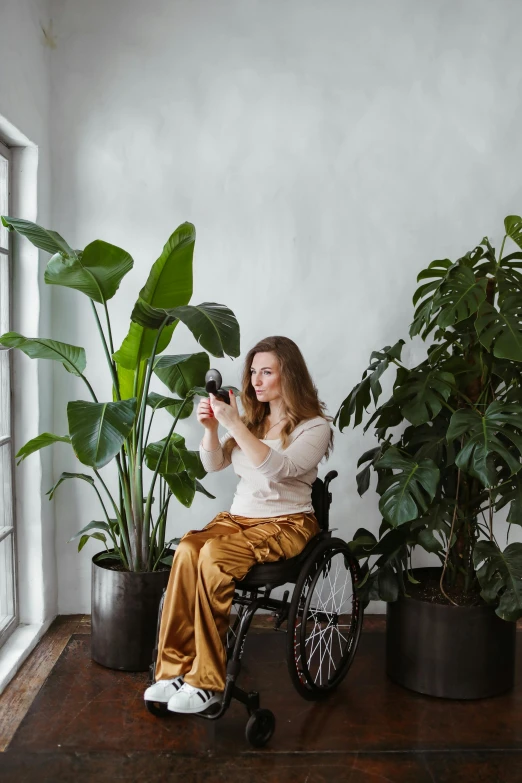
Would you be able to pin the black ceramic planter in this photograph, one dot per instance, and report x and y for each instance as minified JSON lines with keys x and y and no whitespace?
{"x":456,"y":652}
{"x":124,"y":617}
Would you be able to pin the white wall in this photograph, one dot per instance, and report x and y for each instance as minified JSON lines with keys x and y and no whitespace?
{"x":24,"y":122}
{"x":325,"y":152}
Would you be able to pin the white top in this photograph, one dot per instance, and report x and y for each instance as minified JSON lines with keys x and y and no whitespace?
{"x":282,"y":484}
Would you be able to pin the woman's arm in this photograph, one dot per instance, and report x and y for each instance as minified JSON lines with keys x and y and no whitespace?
{"x":228,"y":416}
{"x":301,"y":456}
{"x":210,"y":449}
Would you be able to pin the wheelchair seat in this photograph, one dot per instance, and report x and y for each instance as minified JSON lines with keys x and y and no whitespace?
{"x":282,"y":571}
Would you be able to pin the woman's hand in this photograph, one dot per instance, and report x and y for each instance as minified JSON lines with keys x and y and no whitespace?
{"x":227,"y":415}
{"x":206,"y":416}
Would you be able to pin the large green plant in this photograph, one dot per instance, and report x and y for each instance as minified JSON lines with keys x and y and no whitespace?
{"x":456,"y":459}
{"x":100,"y":432}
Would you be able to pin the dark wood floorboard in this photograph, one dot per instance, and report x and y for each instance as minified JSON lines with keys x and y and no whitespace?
{"x":88,"y":723}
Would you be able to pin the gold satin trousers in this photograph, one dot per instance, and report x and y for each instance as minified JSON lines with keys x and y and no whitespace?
{"x":196,"y":611}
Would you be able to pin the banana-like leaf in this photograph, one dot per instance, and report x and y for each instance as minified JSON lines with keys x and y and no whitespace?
{"x":83,"y":540}
{"x":193,"y":464}
{"x":97,"y":271}
{"x":501,"y":330}
{"x":482,"y":444}
{"x":513,"y":226}
{"x":171,"y":404}
{"x":98,"y":429}
{"x":421,"y":393}
{"x":182,"y":486}
{"x":370,"y":387}
{"x":213,"y":325}
{"x":65,"y":477}
{"x":459,"y":296}
{"x":406,"y":496}
{"x":171,"y":462}
{"x":40,"y":442}
{"x":91,"y":526}
{"x":500,"y":577}
{"x":71,"y":356}
{"x":42,"y":238}
{"x":182,"y":373}
{"x":169,"y":285}
{"x":201,"y":488}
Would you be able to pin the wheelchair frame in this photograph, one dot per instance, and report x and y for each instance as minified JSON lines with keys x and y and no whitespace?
{"x":253,"y":593}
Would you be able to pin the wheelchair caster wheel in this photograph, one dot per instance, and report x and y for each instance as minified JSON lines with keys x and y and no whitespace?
{"x":260,"y":727}
{"x":157,"y":708}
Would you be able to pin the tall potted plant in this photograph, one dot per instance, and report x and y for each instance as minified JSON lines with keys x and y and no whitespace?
{"x":448,"y":458}
{"x":129,"y":575}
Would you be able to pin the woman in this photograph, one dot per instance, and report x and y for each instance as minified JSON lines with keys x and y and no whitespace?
{"x":275,"y":449}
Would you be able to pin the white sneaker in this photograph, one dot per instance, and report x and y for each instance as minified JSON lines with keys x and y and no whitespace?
{"x":162,"y":690}
{"x":190,"y":699}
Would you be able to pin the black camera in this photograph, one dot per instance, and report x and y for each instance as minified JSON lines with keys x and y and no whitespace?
{"x":213,"y":381}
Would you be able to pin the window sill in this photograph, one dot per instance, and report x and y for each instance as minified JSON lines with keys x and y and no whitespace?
{"x":17,"y":648}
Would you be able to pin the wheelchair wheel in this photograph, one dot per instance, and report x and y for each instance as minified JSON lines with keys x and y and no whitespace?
{"x":260,"y":727}
{"x":157,"y":708}
{"x":324,"y":621}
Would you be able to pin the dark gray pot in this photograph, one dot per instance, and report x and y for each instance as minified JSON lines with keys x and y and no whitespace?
{"x":456,"y":652}
{"x":124,"y":617}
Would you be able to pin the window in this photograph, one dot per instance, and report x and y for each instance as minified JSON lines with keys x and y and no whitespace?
{"x":8,"y":603}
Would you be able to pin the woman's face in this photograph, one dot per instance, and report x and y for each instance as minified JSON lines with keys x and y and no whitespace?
{"x":266,"y":377}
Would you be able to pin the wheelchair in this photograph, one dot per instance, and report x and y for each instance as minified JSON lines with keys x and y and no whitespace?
{"x":323,"y":621}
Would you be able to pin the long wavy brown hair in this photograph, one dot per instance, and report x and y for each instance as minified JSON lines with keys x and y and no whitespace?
{"x":299,"y":392}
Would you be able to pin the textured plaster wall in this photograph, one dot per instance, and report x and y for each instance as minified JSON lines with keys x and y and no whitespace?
{"x":326,"y":151}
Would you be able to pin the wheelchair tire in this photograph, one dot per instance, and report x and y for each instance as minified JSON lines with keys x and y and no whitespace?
{"x":324,"y":620}
{"x":157,"y":708}
{"x":260,"y":728}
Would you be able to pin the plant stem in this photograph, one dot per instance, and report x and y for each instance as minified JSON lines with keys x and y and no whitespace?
{"x":155,"y":475}
{"x":142,"y":530}
{"x":123,"y":531}
{"x":162,"y":517}
{"x":84,"y":379}
{"x":449,"y":542}
{"x":501,"y":250}
{"x":108,"y":356}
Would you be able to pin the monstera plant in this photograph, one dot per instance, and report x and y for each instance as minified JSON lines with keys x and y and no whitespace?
{"x":118,"y":428}
{"x":449,"y":437}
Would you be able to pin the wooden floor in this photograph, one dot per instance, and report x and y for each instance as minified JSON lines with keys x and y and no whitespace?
{"x":65,"y":718}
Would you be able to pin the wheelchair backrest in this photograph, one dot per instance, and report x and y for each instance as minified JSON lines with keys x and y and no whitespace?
{"x":321,"y":499}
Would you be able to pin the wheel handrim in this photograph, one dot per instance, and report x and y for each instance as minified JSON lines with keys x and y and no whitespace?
{"x":325,"y":632}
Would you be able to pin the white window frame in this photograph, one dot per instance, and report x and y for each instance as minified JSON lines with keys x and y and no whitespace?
{"x":8,"y":533}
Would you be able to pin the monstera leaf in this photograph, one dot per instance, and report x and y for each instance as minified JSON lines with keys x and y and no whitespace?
{"x":370,"y":387}
{"x":169,"y":285}
{"x":98,"y":429}
{"x":436,"y":272}
{"x":459,"y":296}
{"x":407,"y":491}
{"x":501,"y":330}
{"x":513,"y":227}
{"x":500,"y":577}
{"x":71,"y":356}
{"x":421,"y":392}
{"x":213,"y":325}
{"x":482,"y":442}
